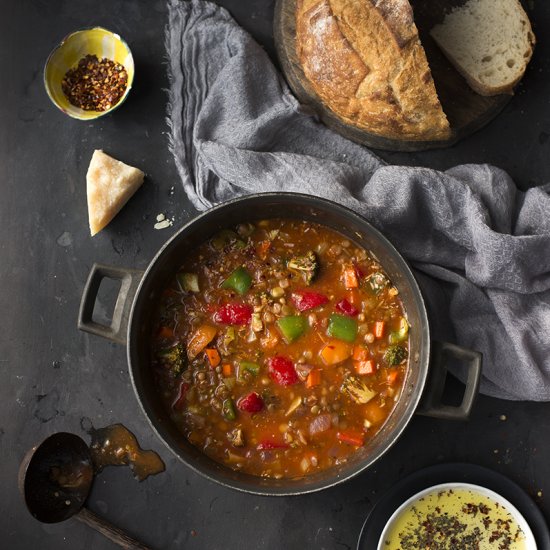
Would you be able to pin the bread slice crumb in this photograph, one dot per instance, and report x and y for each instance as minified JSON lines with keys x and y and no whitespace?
{"x":109,"y":185}
{"x":490,"y":42}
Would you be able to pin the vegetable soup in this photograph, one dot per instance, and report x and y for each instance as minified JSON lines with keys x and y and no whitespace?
{"x":280,"y":347}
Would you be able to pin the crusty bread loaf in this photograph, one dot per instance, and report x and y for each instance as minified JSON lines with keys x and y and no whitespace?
{"x":490,"y":42}
{"x":364,"y":60}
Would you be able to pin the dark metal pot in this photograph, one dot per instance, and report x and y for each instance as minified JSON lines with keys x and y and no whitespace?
{"x":138,"y":296}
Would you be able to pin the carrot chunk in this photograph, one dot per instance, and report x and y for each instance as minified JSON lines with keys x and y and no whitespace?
{"x":335,"y":351}
{"x":227,"y":369}
{"x":200,"y":339}
{"x":360,"y":353}
{"x":349,"y":276}
{"x":351,"y":437}
{"x":313,"y":378}
{"x":364,"y":367}
{"x":213,"y":357}
{"x":354,"y":297}
{"x":379,"y":327}
{"x":392,"y":376}
{"x":263,"y":249}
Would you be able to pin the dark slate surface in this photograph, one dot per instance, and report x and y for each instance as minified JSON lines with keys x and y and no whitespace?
{"x":53,"y":377}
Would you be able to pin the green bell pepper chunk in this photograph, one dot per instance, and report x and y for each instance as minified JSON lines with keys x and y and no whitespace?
{"x":342,"y":327}
{"x":401,"y":334}
{"x":228,"y":409}
{"x":292,"y":327}
{"x":252,"y":368}
{"x":239,"y":281}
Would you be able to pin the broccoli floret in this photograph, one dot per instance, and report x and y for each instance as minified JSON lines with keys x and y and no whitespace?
{"x":174,"y":357}
{"x":395,"y":355}
{"x":377,"y":282}
{"x":307,"y":265}
{"x":358,"y":390}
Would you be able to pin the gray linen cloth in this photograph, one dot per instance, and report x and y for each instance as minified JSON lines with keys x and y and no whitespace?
{"x":479,"y":247}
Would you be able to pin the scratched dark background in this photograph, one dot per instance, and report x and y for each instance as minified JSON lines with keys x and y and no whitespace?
{"x":53,"y":376}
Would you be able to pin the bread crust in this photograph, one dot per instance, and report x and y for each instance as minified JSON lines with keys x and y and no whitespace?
{"x":365,"y":61}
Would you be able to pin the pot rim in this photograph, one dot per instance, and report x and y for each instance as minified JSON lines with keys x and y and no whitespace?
{"x":404,"y":269}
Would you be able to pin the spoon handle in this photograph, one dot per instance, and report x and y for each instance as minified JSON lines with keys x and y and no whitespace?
{"x":113,"y":533}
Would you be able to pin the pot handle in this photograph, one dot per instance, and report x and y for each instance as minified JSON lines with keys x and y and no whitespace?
{"x":129,"y":282}
{"x":431,"y":404}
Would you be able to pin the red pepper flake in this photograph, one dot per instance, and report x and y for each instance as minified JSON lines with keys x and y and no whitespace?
{"x":94,"y":84}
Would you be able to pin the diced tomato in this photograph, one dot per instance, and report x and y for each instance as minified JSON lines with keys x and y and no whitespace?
{"x":233,"y":314}
{"x":343,"y":306}
{"x":251,"y":403}
{"x":364,"y":367}
{"x":282,"y":371}
{"x":267,"y":445}
{"x":351,"y":437}
{"x":306,"y":299}
{"x":179,"y":403}
{"x":358,"y":271}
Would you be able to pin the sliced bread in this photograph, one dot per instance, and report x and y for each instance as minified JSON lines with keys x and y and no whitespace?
{"x":490,"y":42}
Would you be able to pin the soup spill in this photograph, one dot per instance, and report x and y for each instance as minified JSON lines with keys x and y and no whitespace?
{"x":115,"y":445}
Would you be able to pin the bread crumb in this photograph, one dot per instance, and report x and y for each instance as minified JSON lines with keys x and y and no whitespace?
{"x":163,"y":222}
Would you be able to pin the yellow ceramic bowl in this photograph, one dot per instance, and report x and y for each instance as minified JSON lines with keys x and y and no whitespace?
{"x":71,"y":50}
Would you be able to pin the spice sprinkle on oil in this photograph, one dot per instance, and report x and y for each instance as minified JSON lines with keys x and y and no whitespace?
{"x":458,"y":519}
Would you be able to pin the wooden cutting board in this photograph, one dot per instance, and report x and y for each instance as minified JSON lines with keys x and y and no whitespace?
{"x":466,"y":110}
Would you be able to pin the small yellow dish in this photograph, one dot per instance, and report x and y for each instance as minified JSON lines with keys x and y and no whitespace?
{"x":457,"y":515}
{"x":95,"y":41}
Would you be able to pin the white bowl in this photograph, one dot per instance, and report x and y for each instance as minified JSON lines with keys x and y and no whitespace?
{"x":528,"y":542}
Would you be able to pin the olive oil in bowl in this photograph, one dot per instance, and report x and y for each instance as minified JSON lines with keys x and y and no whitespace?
{"x":457,"y":516}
